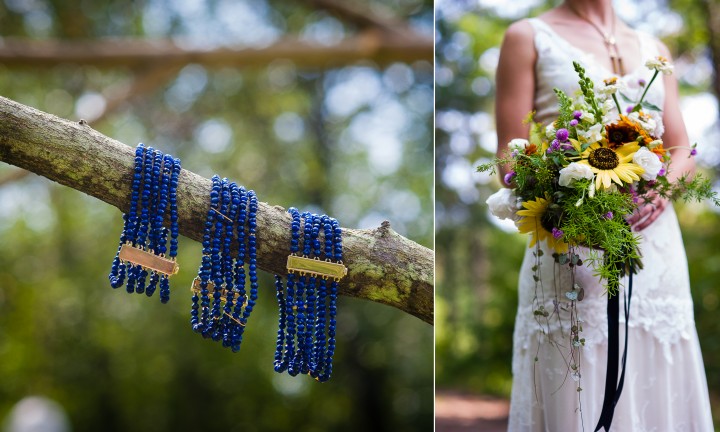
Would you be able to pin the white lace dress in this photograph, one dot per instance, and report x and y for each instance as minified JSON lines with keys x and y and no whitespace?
{"x":665,"y":385}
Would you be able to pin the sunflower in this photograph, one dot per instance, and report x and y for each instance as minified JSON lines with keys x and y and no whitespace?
{"x":625,"y":131}
{"x":534,"y":221}
{"x":612,"y":165}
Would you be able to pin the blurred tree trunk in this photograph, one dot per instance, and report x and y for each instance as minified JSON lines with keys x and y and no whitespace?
{"x":712,"y":14}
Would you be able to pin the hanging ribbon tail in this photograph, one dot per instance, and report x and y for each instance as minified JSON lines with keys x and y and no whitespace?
{"x":613,"y":386}
{"x":613,"y":358}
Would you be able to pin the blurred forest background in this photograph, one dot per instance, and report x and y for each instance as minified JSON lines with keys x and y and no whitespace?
{"x":478,"y":258}
{"x":352,"y":139}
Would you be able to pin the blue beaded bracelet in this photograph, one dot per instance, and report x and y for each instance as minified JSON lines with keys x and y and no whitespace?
{"x":231,"y":218}
{"x":143,"y":241}
{"x":307,"y":302}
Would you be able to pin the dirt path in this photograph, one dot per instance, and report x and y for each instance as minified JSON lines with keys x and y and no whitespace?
{"x":464,"y":412}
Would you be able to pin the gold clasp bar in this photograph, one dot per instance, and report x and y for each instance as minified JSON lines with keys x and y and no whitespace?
{"x":313,"y":266}
{"x":148,"y":260}
{"x":195,"y":287}
{"x":211,"y":289}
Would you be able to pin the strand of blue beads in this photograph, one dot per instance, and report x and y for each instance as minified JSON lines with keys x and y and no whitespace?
{"x":140,"y":272}
{"x":338,"y":256}
{"x":174,"y":228}
{"x":117,"y":272}
{"x":219,"y":266}
{"x":310,"y":299}
{"x":290,"y":293}
{"x":252,"y":264}
{"x":228,"y":268}
{"x":216,"y":275}
{"x":297,"y":364}
{"x":135,"y":219}
{"x":279,"y":292}
{"x":159,"y":232}
{"x":197,"y":320}
{"x":155,"y":225}
{"x":321,"y":320}
{"x":237,"y":330}
{"x":207,"y":271}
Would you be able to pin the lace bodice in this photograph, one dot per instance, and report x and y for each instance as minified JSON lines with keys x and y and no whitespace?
{"x":554,"y":69}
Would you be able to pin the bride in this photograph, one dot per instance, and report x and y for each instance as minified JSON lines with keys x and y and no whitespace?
{"x":665,"y":386}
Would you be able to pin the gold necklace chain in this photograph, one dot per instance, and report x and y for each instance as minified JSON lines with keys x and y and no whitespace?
{"x":608,"y":38}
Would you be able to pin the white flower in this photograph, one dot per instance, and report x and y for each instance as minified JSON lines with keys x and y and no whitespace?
{"x":550,"y":131}
{"x":649,"y":161}
{"x":659,"y":125}
{"x":610,"y":86}
{"x":660,"y":64}
{"x":591,"y":190}
{"x":518,"y":144}
{"x":587,"y":116}
{"x":503,"y":204}
{"x":645,"y":121}
{"x":593,"y":134}
{"x":573,"y":172}
{"x":609,"y":111}
{"x":608,"y":89}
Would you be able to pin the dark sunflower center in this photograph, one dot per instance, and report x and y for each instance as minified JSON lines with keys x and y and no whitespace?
{"x":603,"y":158}
{"x":619,"y":136}
{"x":620,"y":133}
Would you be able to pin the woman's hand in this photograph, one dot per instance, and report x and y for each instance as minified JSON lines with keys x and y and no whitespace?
{"x":648,"y":212}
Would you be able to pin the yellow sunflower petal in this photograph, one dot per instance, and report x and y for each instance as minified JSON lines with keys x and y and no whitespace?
{"x":604,"y":180}
{"x":614,"y":176}
{"x":628,"y":149}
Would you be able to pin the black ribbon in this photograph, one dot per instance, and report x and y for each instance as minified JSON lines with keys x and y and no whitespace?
{"x":613,"y":387}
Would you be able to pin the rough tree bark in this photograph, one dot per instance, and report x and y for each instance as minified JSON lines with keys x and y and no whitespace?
{"x":383,"y":266}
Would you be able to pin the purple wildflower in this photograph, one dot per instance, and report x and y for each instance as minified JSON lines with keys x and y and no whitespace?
{"x":693,"y":152}
{"x":577,"y":114}
{"x":562,"y":134}
{"x":554,"y":146}
{"x":608,"y":215}
{"x":629,"y":109}
{"x":557,"y":233}
{"x":573,"y":122}
{"x":661,"y":172}
{"x":514,"y":153}
{"x":509,"y":177}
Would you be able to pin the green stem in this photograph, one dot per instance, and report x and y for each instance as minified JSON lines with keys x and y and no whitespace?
{"x":637,"y":105}
{"x":617,"y":104}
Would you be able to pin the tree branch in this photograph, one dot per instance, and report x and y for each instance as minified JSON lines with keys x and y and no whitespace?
{"x":352,"y":12}
{"x":383,"y":266}
{"x":380,"y":47}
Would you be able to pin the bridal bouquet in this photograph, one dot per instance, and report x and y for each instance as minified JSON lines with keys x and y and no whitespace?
{"x":576,"y":180}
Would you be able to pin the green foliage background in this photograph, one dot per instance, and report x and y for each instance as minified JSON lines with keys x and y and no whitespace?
{"x":477,"y":264}
{"x":354,"y":142}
